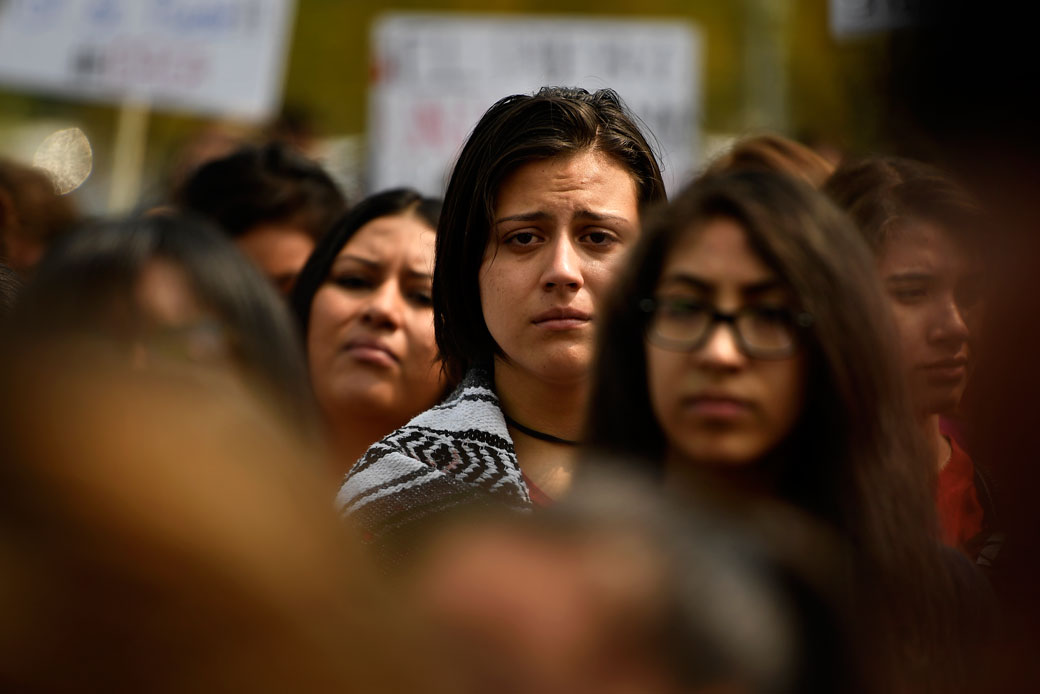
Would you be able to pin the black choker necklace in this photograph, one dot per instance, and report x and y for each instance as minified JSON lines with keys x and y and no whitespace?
{"x":534,"y":433}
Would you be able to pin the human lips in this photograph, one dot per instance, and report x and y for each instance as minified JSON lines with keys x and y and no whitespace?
{"x":717,"y":405}
{"x":371,"y":350}
{"x":562,"y":318}
{"x":950,"y":369}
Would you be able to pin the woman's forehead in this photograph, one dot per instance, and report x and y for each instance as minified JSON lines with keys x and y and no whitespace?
{"x":384,"y":239}
{"x":717,"y":252}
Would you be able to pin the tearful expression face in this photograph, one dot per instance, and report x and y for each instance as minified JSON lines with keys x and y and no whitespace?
{"x":562,"y":227}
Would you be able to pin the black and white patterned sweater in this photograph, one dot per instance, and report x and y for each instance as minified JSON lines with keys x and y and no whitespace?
{"x":456,"y":453}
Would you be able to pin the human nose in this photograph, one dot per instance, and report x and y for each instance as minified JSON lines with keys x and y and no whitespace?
{"x":383,"y":308}
{"x":950,"y":325}
{"x":720,"y":350}
{"x":563,"y":268}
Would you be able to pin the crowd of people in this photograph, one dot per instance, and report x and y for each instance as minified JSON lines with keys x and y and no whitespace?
{"x":553,"y":433}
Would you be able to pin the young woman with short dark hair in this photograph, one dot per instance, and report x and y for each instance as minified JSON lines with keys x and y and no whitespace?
{"x":542,"y":206}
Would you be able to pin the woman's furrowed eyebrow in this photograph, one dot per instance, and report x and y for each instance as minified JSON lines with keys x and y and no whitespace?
{"x":540,"y":216}
{"x":367,"y":262}
{"x":418,"y":274}
{"x":524,"y":217}
{"x":600,"y":217}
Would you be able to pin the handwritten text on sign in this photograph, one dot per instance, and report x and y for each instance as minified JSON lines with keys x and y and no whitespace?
{"x":435,"y":75}
{"x":222,"y":56}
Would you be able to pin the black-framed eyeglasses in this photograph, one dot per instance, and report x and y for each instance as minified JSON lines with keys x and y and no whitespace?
{"x":685,"y":324}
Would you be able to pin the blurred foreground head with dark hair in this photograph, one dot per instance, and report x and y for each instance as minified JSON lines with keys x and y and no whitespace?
{"x":274,"y":202}
{"x":164,"y":531}
{"x":164,"y":523}
{"x":619,"y":589}
{"x":166,"y":289}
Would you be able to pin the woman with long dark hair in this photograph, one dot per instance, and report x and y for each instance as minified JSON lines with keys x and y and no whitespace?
{"x":363,"y":303}
{"x":748,"y":344}
{"x":925,"y":231}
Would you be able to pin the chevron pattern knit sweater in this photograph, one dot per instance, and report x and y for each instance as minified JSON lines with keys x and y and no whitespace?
{"x":458,"y":452}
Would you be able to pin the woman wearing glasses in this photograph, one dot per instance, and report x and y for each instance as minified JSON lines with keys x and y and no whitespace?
{"x":748,"y":344}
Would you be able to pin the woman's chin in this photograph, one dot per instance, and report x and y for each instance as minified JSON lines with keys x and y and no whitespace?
{"x":722,"y":454}
{"x":363,"y":401}
{"x":562,"y":367}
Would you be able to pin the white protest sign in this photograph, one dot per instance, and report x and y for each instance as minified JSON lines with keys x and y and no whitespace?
{"x":436,"y":75}
{"x":208,"y":56}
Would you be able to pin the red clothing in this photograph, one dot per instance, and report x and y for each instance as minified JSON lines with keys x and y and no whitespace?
{"x":960,"y":513}
{"x":538,"y":498}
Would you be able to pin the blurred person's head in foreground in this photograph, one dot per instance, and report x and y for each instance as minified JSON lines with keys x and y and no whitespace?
{"x":271,"y":200}
{"x":771,"y":152}
{"x":364,"y":305}
{"x":32,"y":215}
{"x":749,"y":339}
{"x":160,"y":531}
{"x":166,"y":289}
{"x":619,"y":589}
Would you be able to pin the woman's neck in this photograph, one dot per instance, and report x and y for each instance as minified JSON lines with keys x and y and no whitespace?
{"x":755,"y":479}
{"x":939,"y":446}
{"x":557,"y":410}
{"x":350,"y":435}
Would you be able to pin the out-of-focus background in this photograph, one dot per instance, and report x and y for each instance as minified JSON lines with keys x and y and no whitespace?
{"x":384,"y":94}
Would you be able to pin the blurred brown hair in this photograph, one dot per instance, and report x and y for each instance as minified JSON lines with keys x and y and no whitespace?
{"x":160,"y":531}
{"x":879,"y":193}
{"x":771,"y":152}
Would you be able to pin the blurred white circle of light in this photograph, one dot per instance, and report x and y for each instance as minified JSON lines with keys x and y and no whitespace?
{"x":67,"y":158}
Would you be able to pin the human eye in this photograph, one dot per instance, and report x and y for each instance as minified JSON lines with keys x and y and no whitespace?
{"x":599,"y":237}
{"x":909,"y":293}
{"x":771,"y":315}
{"x":352,"y":281}
{"x":682,"y":308}
{"x":521,"y":239}
{"x":421,"y":297}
